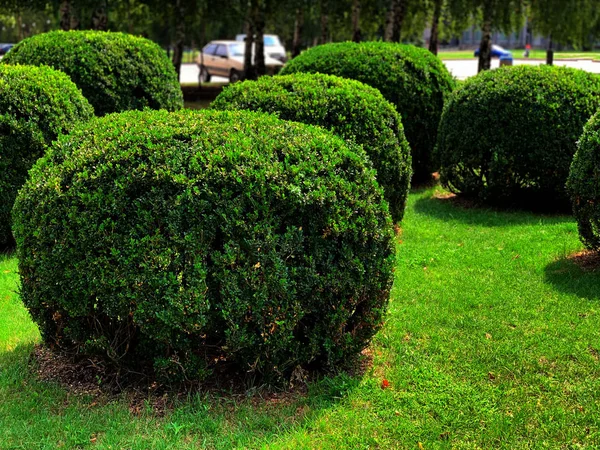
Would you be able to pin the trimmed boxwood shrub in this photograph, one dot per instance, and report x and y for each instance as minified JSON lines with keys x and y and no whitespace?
{"x":115,"y":71}
{"x":509,"y":135}
{"x":412,"y":78}
{"x":350,"y":109}
{"x":187,"y":238}
{"x":36,"y":105}
{"x":583,"y":184}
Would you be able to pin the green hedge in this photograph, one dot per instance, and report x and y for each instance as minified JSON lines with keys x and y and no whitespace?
{"x":583,"y":184}
{"x":115,"y":71}
{"x":350,"y":109}
{"x":508,"y":135}
{"x":187,"y":238}
{"x":36,"y":105}
{"x":412,"y":78}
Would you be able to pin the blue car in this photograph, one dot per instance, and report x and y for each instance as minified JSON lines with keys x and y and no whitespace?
{"x":497,"y":52}
{"x":4,"y":48}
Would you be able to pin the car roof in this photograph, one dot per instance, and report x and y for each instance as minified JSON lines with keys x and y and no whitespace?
{"x":223,"y":42}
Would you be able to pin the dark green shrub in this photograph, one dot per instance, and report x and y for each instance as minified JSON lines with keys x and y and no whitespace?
{"x":36,"y":105}
{"x":583,"y":184}
{"x":509,"y":135}
{"x":115,"y":71}
{"x":185,"y":238}
{"x":412,"y":78}
{"x":350,"y":109}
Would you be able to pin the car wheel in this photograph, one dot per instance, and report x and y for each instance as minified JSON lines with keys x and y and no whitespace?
{"x":204,"y":76}
{"x":234,"y":76}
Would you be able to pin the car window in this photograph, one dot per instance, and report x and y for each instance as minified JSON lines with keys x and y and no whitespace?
{"x":221,"y":50}
{"x":237,"y":49}
{"x":209,"y":49}
{"x":270,"y":40}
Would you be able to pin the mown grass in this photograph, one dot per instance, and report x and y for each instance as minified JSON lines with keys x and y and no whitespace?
{"x":518,"y":53}
{"x":492,"y":341}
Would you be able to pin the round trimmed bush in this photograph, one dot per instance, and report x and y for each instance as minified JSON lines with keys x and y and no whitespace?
{"x":583,"y":184}
{"x":412,"y":78}
{"x":36,"y":105}
{"x":350,"y":109}
{"x":115,"y":71}
{"x":187,"y":238}
{"x":508,"y":135}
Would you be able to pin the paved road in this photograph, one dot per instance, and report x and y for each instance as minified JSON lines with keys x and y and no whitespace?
{"x":190,"y":72}
{"x":461,"y":69}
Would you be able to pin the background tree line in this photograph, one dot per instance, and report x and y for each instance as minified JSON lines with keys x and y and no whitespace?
{"x":176,"y":24}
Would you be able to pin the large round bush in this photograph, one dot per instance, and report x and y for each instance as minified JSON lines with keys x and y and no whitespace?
{"x":509,"y":135}
{"x":36,"y":105}
{"x":350,"y":109}
{"x":412,"y":78}
{"x":115,"y":71}
{"x":583,"y":184}
{"x":187,"y":238}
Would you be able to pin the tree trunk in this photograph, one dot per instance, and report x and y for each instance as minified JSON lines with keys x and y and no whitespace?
{"x":259,"y":54}
{"x":100,"y":18}
{"x":129,"y":22}
{"x":298,"y":28}
{"x":389,"y":22}
{"x":485,"y":47}
{"x":65,"y":15}
{"x":324,"y":24}
{"x":356,"y":34}
{"x":179,"y":36}
{"x":249,"y":69}
{"x":399,"y":13}
{"x":433,"y":41}
{"x":69,"y":19}
{"x":74,"y":17}
{"x":20,"y":26}
{"x":550,"y":52}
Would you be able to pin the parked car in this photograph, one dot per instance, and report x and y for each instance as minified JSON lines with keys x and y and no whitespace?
{"x":4,"y":48}
{"x":497,"y":52}
{"x":273,"y":46}
{"x":226,"y":59}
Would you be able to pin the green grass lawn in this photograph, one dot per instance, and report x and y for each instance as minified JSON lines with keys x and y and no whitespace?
{"x":534,"y":54}
{"x":492,"y":341}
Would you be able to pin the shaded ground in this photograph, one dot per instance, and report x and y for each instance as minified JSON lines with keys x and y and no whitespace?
{"x":199,"y":97}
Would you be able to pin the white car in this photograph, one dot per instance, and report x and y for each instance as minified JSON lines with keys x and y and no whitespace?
{"x":273,"y":46}
{"x":226,"y":59}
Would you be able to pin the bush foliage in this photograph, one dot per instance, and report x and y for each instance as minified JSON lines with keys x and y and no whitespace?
{"x":583,"y":184}
{"x":412,"y":78}
{"x":115,"y":71}
{"x":509,"y":135}
{"x":350,"y":109}
{"x":36,"y":105}
{"x":185,"y":238}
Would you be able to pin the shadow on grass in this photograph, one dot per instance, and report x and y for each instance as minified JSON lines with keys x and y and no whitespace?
{"x":577,"y":274}
{"x":448,"y":207}
{"x":213,"y":419}
{"x":14,"y":365}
